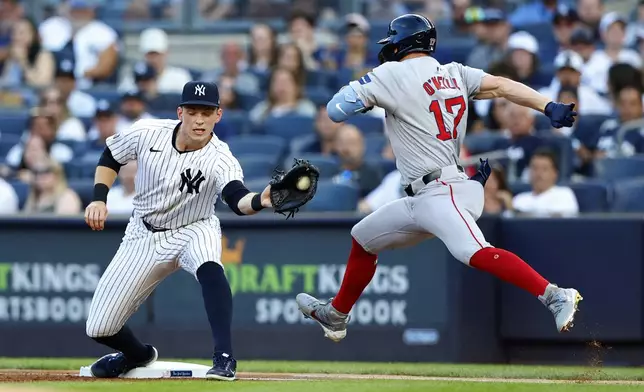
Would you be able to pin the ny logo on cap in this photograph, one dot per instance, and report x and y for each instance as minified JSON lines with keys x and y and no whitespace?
{"x":200,"y":90}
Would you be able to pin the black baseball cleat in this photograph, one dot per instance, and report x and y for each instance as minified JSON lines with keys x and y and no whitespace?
{"x":115,"y":365}
{"x":224,"y":369}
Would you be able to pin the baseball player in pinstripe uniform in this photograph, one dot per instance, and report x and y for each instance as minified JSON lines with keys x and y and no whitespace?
{"x":182,"y":168}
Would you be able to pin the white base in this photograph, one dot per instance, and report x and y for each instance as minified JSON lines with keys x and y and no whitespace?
{"x":160,"y":369}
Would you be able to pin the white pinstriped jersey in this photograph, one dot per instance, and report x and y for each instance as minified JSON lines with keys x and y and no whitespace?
{"x":426,"y":110}
{"x":173,"y":189}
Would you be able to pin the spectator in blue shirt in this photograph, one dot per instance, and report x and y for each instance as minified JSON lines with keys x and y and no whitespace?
{"x":521,"y":143}
{"x":494,"y":31}
{"x":591,"y":13}
{"x":535,"y":12}
{"x":354,"y":54}
{"x":105,"y":123}
{"x":564,"y":23}
{"x":607,"y":143}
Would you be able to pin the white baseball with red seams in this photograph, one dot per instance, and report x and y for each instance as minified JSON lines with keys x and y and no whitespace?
{"x":426,"y":105}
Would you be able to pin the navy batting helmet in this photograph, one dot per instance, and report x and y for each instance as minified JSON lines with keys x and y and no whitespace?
{"x":409,"y":33}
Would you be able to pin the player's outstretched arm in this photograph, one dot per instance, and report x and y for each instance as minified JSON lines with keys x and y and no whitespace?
{"x":561,"y":115}
{"x":244,"y":202}
{"x":106,"y":172}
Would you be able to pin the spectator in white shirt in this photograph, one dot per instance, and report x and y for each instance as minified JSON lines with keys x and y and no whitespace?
{"x":121,"y":196}
{"x":79,"y":103}
{"x":234,"y":67}
{"x":390,"y":189}
{"x":546,"y":198}
{"x":153,"y":45}
{"x":69,"y":128}
{"x":569,"y":66}
{"x":94,"y":43}
{"x":8,"y":199}
{"x":133,"y":108}
{"x":42,"y":125}
{"x":612,"y":29}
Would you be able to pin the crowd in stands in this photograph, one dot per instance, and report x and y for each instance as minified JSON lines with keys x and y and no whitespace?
{"x":66,"y":86}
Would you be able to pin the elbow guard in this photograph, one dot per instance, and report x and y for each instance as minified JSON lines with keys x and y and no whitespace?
{"x":108,"y":160}
{"x":233,"y":193}
{"x":344,"y":103}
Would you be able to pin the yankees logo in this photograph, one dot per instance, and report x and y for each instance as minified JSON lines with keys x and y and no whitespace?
{"x":200,"y":89}
{"x":191,"y":183}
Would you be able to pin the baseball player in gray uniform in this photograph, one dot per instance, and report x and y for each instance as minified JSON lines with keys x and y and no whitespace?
{"x":426,"y":106}
{"x":181,"y":169}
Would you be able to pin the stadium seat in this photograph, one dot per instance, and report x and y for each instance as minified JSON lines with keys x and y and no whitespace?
{"x":15,"y":123}
{"x":164,"y":102}
{"x":519,"y":187}
{"x":386,"y":165}
{"x":328,"y":166}
{"x":110,"y":95}
{"x":75,"y":170}
{"x":619,"y":168}
{"x":628,"y":196}
{"x":248,"y":101}
{"x":271,"y":146}
{"x":368,"y":124}
{"x":454,"y":49}
{"x":333,"y":197}
{"x":317,"y":79}
{"x":22,"y":191}
{"x":589,"y":124}
{"x":477,"y":143}
{"x":319,"y":95}
{"x":257,"y":184}
{"x":237,"y":121}
{"x":84,"y":188}
{"x":563,"y":147}
{"x":7,"y":141}
{"x":374,"y":144}
{"x":591,"y":196}
{"x":302,"y":143}
{"x":255,"y":166}
{"x":542,"y":123}
{"x":288,"y":127}
{"x":87,"y":122}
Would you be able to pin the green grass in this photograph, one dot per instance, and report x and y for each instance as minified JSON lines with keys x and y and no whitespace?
{"x":322,"y":386}
{"x":409,"y":369}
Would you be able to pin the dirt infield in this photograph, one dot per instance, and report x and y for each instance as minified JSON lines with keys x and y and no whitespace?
{"x":25,"y":376}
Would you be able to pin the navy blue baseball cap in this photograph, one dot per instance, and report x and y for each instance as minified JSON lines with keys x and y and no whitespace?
{"x":133,"y":94}
{"x":200,"y":93}
{"x":143,"y":71}
{"x":104,"y":108}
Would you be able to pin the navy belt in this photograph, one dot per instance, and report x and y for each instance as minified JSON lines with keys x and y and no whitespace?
{"x":429,"y":177}
{"x":152,"y":228}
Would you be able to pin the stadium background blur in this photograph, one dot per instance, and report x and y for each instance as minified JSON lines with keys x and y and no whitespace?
{"x":95,"y":67}
{"x":75,"y":72}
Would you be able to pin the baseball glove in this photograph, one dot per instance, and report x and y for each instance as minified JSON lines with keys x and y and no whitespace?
{"x":286,"y":195}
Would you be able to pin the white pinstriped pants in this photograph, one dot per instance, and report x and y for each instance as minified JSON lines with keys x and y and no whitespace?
{"x":142,"y":261}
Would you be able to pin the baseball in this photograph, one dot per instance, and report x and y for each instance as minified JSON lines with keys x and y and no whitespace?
{"x":303,"y":183}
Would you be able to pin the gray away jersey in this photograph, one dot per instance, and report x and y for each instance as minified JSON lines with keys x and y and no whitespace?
{"x":173,"y":189}
{"x":426,"y":110}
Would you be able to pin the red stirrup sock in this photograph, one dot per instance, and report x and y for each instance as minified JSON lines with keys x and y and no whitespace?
{"x":510,"y":268}
{"x":361,"y":267}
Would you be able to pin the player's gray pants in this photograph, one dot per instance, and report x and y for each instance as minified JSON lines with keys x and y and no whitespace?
{"x":446,"y":208}
{"x":143,"y":260}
